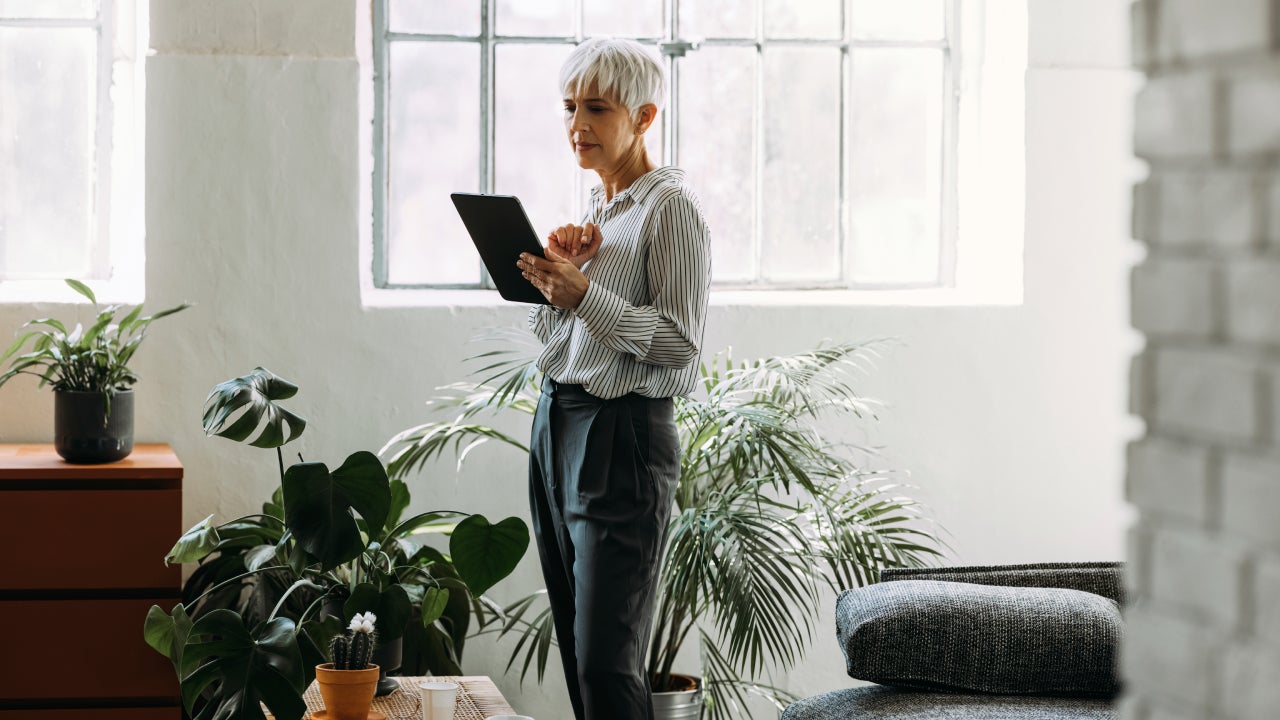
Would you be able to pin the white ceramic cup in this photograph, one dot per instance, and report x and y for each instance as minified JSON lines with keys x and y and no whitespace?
{"x":438,"y":700}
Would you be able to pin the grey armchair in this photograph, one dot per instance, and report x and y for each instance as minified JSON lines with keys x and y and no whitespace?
{"x":995,"y":642}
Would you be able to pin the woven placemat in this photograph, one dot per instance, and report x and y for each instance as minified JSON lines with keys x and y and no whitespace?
{"x":406,"y":702}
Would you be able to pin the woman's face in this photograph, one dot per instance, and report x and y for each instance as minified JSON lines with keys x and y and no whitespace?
{"x":602,"y":132}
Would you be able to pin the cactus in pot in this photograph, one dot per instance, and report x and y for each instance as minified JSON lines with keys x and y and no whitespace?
{"x":347,"y":684}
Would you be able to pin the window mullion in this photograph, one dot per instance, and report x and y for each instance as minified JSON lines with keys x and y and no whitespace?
{"x":99,"y":244}
{"x":949,"y":180}
{"x":381,"y":92}
{"x":845,"y":114}
{"x":671,"y":128}
{"x":757,"y":245}
{"x":488,"y":124}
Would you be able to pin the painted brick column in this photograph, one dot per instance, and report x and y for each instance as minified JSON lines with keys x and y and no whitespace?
{"x":1203,"y":624}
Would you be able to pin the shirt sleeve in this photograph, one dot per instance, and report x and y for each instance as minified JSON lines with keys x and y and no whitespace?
{"x":669,"y":331}
{"x":544,"y":319}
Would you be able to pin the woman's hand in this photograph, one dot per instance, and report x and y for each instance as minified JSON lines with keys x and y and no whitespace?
{"x":556,"y":277}
{"x":577,"y":244}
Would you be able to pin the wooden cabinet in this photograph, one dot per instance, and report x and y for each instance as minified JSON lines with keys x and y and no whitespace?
{"x":81,"y":560}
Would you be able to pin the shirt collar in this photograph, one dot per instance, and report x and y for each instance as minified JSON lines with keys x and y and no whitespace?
{"x":644,"y":184}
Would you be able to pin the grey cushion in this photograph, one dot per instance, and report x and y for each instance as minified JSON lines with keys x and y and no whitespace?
{"x":942,"y":635}
{"x":886,"y":703}
{"x":1100,"y":578}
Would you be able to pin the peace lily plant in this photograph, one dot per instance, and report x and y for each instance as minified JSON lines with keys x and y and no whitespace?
{"x":768,"y":512}
{"x":273,"y":588}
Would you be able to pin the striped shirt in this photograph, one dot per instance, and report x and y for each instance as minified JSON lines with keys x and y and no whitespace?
{"x":639,"y":327}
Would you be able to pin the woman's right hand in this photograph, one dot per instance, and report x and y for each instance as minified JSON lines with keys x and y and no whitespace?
{"x":577,"y":244}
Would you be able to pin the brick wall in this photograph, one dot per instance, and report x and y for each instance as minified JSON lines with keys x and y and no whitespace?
{"x":1203,"y":634}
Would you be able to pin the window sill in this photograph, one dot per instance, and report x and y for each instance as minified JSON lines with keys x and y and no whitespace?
{"x":55,"y":290}
{"x":927,"y":297}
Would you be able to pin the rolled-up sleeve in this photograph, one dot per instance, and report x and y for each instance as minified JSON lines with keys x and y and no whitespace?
{"x":669,"y":331}
{"x":544,"y":319}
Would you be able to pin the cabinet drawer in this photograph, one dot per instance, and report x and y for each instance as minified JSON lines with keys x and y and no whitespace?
{"x":88,"y":539}
{"x":79,"y":649}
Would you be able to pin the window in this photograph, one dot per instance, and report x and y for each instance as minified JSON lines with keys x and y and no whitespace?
{"x":821,"y":136}
{"x":70,"y":196}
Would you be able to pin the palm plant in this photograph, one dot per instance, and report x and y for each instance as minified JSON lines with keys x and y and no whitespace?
{"x":768,"y":512}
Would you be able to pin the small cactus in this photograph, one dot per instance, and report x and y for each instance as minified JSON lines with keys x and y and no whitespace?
{"x":353,"y":650}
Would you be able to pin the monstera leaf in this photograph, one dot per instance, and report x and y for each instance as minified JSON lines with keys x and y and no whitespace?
{"x":195,"y":543}
{"x":485,"y":553}
{"x":318,"y":506}
{"x":244,"y":668}
{"x":168,"y":633}
{"x":256,"y":393}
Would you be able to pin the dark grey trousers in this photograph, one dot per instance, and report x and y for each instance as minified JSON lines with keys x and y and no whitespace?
{"x":601,"y":478}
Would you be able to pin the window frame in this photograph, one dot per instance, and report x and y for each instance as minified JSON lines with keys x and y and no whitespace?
{"x":955,"y":65}
{"x":116,"y":248}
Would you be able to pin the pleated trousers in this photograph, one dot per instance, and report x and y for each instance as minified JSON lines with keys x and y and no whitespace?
{"x":602,"y":474}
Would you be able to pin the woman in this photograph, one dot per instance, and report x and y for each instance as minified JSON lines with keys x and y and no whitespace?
{"x":628,"y":291}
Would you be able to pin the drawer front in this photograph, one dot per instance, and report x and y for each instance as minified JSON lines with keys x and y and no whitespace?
{"x":80,"y":649}
{"x":147,"y":713}
{"x":88,"y":539}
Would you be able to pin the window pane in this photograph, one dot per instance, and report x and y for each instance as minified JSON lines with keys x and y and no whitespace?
{"x":636,"y":18}
{"x":718,"y":18}
{"x":533,"y":158}
{"x":535,"y":17}
{"x":75,"y":9}
{"x":717,"y":128}
{"x":899,"y":19}
{"x":801,"y":164}
{"x":808,"y":19}
{"x":896,"y":180}
{"x":47,"y":108}
{"x":441,"y":17}
{"x":434,"y":150}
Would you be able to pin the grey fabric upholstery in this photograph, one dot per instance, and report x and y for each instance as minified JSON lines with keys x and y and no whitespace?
{"x":1100,"y":578}
{"x":877,"y":702}
{"x":935,"y":634}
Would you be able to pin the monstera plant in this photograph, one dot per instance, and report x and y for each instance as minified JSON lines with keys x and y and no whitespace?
{"x":768,"y":509}
{"x":273,"y":588}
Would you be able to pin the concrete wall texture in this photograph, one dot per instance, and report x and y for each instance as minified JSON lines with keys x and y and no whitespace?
{"x":1012,"y":419}
{"x":1203,"y":629}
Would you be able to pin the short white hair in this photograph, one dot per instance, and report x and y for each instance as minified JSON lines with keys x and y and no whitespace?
{"x":621,"y":70}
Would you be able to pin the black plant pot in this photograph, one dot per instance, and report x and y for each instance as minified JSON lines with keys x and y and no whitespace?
{"x":389,"y":656}
{"x":83,"y":432}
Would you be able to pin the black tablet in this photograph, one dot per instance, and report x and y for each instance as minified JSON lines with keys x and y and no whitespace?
{"x":501,"y":231}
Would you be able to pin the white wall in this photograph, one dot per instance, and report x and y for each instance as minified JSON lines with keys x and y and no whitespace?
{"x":1012,"y":419}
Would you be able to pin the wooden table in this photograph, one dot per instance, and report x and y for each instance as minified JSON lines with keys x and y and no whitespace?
{"x":488,"y":699}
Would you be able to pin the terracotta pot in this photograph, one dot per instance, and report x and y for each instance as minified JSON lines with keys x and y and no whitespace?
{"x":348,"y":694}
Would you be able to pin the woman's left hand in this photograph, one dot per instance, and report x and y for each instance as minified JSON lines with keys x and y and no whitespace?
{"x":558,"y":279}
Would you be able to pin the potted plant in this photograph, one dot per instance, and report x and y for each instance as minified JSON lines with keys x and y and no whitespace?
{"x":767,"y":513}
{"x":348,"y":682}
{"x":90,"y":374}
{"x":327,"y":544}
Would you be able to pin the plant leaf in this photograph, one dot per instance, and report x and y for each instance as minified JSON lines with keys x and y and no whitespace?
{"x":82,"y":289}
{"x":318,"y":506}
{"x":243,"y":668}
{"x":256,"y":393}
{"x":434,"y":600}
{"x":195,"y":543}
{"x":485,"y":553}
